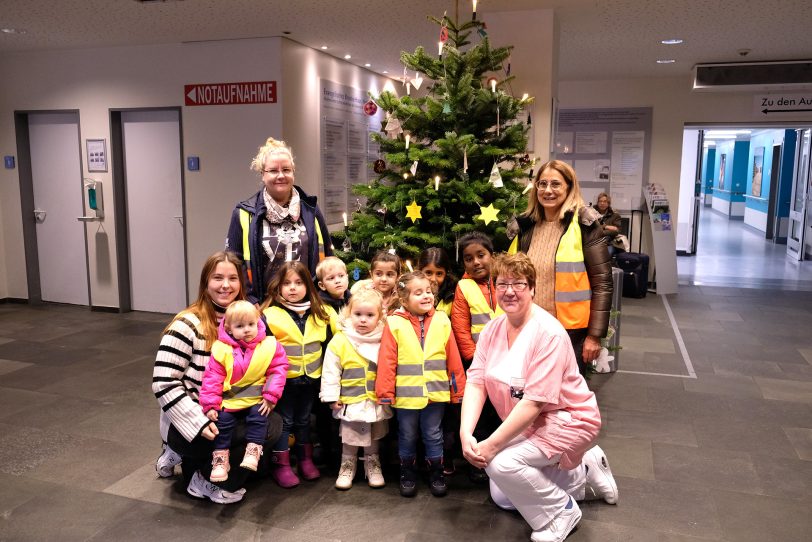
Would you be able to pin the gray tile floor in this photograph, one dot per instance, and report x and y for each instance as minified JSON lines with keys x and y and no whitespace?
{"x":723,"y":456}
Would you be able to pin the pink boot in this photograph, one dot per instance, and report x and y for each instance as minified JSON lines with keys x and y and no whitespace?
{"x":307,"y":469}
{"x":281,"y":471}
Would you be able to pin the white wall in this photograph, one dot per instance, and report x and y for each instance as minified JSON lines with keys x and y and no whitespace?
{"x":688,"y":174}
{"x":225,"y":137}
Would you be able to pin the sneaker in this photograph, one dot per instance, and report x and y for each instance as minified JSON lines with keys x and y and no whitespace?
{"x":219,"y":466}
{"x":165,"y":465}
{"x":250,"y":460}
{"x":346,"y":473}
{"x":561,"y":525}
{"x":203,"y":489}
{"x":599,"y":480}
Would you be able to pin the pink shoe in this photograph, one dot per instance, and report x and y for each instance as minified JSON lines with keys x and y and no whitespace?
{"x":281,"y":471}
{"x":219,"y":466}
{"x":307,"y":469}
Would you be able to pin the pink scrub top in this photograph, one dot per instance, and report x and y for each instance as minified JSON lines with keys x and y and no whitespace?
{"x":539,"y":366}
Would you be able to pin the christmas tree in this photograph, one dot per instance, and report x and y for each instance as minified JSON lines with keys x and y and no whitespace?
{"x":453,"y":161}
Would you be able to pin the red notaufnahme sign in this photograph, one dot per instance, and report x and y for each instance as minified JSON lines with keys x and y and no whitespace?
{"x":257,"y":92}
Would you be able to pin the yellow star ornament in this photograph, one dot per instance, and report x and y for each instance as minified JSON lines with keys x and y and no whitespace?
{"x":414,"y":211}
{"x":489,"y":214}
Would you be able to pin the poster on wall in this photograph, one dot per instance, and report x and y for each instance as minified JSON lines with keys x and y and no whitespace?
{"x":346,"y":147}
{"x":758,"y":169}
{"x":609,"y":150}
{"x":722,"y":163}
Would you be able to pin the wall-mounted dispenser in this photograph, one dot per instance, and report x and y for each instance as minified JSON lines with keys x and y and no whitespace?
{"x":95,"y":200}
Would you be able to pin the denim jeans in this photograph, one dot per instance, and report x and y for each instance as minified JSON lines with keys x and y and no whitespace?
{"x":412,"y":424}
{"x":256,"y":426}
{"x":295,"y":407}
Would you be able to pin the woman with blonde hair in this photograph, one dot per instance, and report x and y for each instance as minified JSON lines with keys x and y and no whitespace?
{"x":565,"y":241}
{"x":280,"y":223}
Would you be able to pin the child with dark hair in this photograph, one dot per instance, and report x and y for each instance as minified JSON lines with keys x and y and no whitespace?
{"x":436,"y":265}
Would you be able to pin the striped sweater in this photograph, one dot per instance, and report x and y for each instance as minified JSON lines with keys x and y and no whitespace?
{"x":178,"y":375}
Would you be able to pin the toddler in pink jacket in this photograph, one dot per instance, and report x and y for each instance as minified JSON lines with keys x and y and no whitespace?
{"x":244,"y":379}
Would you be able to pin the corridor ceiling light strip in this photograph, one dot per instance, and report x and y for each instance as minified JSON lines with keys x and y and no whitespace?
{"x":672,"y":41}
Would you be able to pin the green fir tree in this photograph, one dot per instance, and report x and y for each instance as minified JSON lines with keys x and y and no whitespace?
{"x":459,"y":116}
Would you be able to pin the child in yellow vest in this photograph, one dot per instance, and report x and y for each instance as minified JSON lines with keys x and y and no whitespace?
{"x":243,"y":380}
{"x":419,"y":372}
{"x":348,"y":384}
{"x":303,"y":325}
{"x":436,"y":265}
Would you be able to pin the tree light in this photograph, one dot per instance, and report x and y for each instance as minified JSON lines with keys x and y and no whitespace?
{"x":474,"y":10}
{"x":440,"y":48}
{"x":525,"y":96}
{"x":492,"y":83}
{"x":437,"y":183}
{"x":408,"y":139}
{"x":344,"y":216}
{"x":409,"y":265}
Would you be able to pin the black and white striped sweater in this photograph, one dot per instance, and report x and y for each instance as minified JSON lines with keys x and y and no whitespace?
{"x":178,"y":374}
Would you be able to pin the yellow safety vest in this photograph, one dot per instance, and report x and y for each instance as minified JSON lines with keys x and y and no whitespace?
{"x":245,"y":224}
{"x":421,"y":375}
{"x":247,"y":391}
{"x":573,"y":294}
{"x":357,"y":373}
{"x":481,"y":312}
{"x":303,"y":350}
{"x":445,"y":306}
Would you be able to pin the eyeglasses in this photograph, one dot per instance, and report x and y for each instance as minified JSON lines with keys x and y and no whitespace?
{"x":555,"y":186}
{"x":517,"y":286}
{"x":287,"y":172}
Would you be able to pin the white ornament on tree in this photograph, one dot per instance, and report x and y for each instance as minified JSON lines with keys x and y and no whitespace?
{"x":496,"y":177}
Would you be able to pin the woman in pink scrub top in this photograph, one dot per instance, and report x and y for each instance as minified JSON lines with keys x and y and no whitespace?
{"x":542,"y":458}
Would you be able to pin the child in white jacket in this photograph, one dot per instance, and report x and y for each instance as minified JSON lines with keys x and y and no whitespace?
{"x":348,"y":384}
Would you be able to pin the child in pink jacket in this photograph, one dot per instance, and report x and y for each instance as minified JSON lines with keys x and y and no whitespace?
{"x":244,"y":379}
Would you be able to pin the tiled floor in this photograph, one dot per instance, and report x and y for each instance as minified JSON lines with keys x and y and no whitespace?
{"x":723,"y":456}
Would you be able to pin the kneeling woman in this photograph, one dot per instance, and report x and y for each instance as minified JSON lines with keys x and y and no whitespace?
{"x":541,"y":458}
{"x":182,"y":355}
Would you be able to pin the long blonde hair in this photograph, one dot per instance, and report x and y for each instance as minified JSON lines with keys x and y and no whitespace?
{"x":573,"y":200}
{"x":203,"y":307}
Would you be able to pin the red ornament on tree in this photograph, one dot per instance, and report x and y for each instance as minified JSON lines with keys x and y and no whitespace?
{"x":370,"y":108}
{"x":379,"y":166}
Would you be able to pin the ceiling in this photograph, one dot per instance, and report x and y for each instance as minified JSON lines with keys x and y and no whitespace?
{"x":600,"y":39}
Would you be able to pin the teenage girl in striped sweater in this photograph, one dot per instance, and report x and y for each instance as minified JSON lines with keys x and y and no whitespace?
{"x":178,"y":373}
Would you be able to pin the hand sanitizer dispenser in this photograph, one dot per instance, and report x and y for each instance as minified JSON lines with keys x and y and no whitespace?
{"x":95,"y":200}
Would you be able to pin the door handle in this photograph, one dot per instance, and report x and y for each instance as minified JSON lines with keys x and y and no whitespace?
{"x":39,"y":215}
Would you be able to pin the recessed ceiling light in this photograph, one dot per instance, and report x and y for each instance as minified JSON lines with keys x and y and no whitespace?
{"x":672,"y":41}
{"x":323,"y":47}
{"x":13,"y":31}
{"x":367,"y":65}
{"x":666,"y":61}
{"x":386,"y":71}
{"x":347,"y":57}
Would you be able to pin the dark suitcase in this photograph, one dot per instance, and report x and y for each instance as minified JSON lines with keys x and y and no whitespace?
{"x":635,"y":273}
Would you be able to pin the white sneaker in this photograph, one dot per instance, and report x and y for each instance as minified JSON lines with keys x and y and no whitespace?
{"x":599,"y":479}
{"x":165,"y":465}
{"x":203,"y":489}
{"x":560,"y":526}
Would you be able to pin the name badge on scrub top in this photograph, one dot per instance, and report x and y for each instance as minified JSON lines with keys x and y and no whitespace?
{"x":516,"y":388}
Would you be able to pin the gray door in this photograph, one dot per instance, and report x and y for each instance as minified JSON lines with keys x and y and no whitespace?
{"x":798,"y":203}
{"x":56,"y":173}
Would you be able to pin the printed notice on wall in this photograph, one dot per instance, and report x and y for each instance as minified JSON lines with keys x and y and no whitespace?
{"x":346,"y":147}
{"x":609,"y":150}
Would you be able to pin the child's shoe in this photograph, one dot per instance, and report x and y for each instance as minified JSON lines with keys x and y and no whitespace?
{"x":219,"y":466}
{"x":281,"y":471}
{"x":408,"y":477}
{"x":250,"y":460}
{"x":346,"y":473}
{"x":165,"y":465}
{"x":437,"y":484}
{"x":307,"y":469}
{"x":373,"y":471}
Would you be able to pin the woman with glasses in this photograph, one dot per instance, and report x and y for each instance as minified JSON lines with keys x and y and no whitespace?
{"x":565,"y":241}
{"x":542,"y":457}
{"x":280,"y":223}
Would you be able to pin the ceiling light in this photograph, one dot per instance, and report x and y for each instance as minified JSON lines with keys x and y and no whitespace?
{"x":13,"y":31}
{"x":672,"y":41}
{"x":323,"y":47}
{"x":367,"y":65}
{"x":666,"y":61}
{"x":347,"y":57}
{"x":386,"y":71}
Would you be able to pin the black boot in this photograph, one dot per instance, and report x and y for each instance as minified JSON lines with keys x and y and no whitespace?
{"x":408,"y":477}
{"x":437,"y":484}
{"x":477,"y":475}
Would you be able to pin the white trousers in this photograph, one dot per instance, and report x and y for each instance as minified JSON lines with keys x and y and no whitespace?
{"x":524,"y":479}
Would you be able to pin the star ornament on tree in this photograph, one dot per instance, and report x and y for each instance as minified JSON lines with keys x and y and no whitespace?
{"x":489,"y":214}
{"x":414,"y":211}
